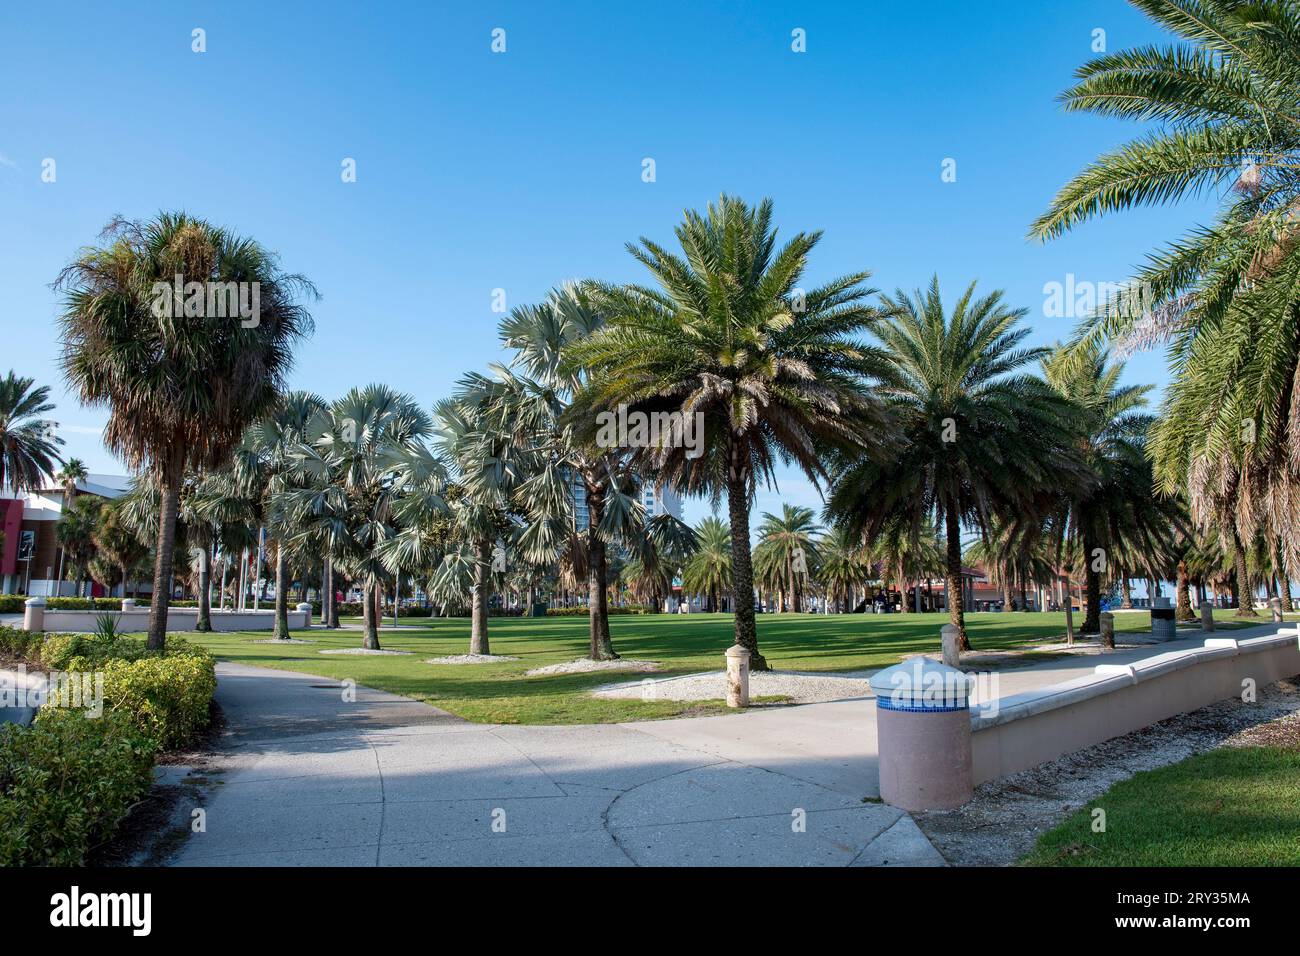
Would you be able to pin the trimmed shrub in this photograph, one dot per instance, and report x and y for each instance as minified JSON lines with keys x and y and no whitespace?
{"x":66,"y":782}
{"x":12,"y":604}
{"x":166,"y":698}
{"x":16,"y":642}
{"x":581,"y":610}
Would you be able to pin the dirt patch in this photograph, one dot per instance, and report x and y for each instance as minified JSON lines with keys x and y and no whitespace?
{"x":1008,"y":815}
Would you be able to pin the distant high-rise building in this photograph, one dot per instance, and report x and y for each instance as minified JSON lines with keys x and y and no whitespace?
{"x":661,"y":501}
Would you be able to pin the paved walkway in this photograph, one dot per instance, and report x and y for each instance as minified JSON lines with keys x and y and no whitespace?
{"x":310,"y":779}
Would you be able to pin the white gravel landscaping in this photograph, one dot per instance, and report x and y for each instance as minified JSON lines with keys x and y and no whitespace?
{"x":361,"y":650}
{"x":582,"y":665}
{"x":471,"y":659}
{"x":799,"y":687}
{"x":273,"y":640}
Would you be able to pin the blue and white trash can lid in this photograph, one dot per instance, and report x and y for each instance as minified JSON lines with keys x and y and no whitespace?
{"x":920,"y":684}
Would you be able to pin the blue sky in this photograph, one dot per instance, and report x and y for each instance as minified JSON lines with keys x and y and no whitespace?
{"x":517,"y":170}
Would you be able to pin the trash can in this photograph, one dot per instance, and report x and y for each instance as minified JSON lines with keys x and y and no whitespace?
{"x":34,"y":614}
{"x":923,"y":735}
{"x":1163,"y":627}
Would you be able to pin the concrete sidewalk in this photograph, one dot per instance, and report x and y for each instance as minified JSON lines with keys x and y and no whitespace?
{"x":311,"y":779}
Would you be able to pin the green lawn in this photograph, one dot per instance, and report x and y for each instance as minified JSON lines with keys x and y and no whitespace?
{"x":1227,"y":807}
{"x":500,"y":693}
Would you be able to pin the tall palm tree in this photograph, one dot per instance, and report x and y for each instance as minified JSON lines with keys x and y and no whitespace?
{"x":980,"y":437}
{"x":75,"y":531}
{"x":707,"y":569}
{"x":28,"y":445}
{"x":117,"y":543}
{"x":1224,"y":101}
{"x":903,"y":556}
{"x":786,"y":554}
{"x":727,"y":337}
{"x":180,"y":390}
{"x":1116,"y":510}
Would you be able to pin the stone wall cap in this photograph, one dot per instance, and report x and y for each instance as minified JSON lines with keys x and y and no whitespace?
{"x":37,"y":601}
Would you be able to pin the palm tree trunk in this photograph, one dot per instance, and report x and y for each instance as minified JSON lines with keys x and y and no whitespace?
{"x":1183,"y":611}
{"x":162,"y":566}
{"x":1126,"y":589}
{"x":281,"y":595}
{"x":1092,"y":583}
{"x":1245,"y":596}
{"x":601,"y":647}
{"x":204,"y":619}
{"x":478,"y":634}
{"x":742,"y":569}
{"x":1283,"y":581}
{"x":370,"y":625}
{"x":952,"y":585}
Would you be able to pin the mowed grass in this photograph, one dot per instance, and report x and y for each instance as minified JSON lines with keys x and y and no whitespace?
{"x":681,"y":644}
{"x":1235,"y":806}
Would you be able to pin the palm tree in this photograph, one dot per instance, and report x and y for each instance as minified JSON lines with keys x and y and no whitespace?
{"x":28,"y":445}
{"x":786,"y":554}
{"x":727,"y":338}
{"x":904,"y":557}
{"x":707,"y":569}
{"x":180,"y":393}
{"x":843,"y":565}
{"x":1115,"y":510}
{"x":352,"y":474}
{"x":537,"y":396}
{"x":1224,"y":101}
{"x":75,"y":531}
{"x":268,"y":464}
{"x":980,"y":438}
{"x":73,"y":471}
{"x":117,"y":543}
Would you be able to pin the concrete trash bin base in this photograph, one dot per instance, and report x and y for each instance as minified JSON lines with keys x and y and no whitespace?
{"x":924,"y":735}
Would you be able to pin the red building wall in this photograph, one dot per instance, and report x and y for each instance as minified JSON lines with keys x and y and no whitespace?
{"x":11,"y":521}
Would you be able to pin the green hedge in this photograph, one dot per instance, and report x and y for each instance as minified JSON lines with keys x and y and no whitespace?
{"x":583,"y":611}
{"x":66,"y":782}
{"x":17,"y":603}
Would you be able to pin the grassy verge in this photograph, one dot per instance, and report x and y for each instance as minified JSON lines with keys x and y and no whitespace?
{"x":681,"y":644}
{"x":1235,"y":806}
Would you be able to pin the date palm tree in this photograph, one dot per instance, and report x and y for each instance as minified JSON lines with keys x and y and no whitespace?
{"x":726,"y":336}
{"x":707,"y":569}
{"x":73,"y":471}
{"x":786,"y":554}
{"x":845,"y":565}
{"x":29,"y":448}
{"x":181,"y":381}
{"x":980,"y":437}
{"x":1224,"y":103}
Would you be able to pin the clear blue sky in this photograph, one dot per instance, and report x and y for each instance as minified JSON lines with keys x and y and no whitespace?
{"x":478,"y":171}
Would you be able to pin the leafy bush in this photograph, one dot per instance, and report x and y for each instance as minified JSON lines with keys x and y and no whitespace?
{"x":12,"y":604}
{"x":16,"y":642}
{"x":66,"y":782}
{"x":166,"y":698}
{"x":582,"y":611}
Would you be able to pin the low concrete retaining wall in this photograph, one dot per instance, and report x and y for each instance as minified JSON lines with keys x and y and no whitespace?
{"x":178,"y":619}
{"x":1040,"y":725}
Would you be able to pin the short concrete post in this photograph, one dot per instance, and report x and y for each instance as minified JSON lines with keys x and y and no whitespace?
{"x":1107,"y":631}
{"x":34,"y":614}
{"x":737,"y":676}
{"x":128,"y":604}
{"x":1207,"y":616}
{"x":951,"y":645}
{"x":1275,"y":604}
{"x":923,"y":735}
{"x":306,"y":609}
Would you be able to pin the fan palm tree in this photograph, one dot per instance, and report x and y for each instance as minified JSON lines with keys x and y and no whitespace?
{"x":28,"y":445}
{"x":980,"y":437}
{"x":1224,"y":101}
{"x":537,"y":395}
{"x":366,"y":452}
{"x":728,"y":339}
{"x":707,"y":569}
{"x":180,"y":389}
{"x":786,"y":554}
{"x":75,"y":531}
{"x":1116,"y":510}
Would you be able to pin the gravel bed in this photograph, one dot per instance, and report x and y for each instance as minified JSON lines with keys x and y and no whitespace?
{"x":471,"y":659}
{"x":362,"y":650}
{"x":583,"y":665}
{"x":273,"y":640}
{"x":801,"y":688}
{"x":1008,"y":815}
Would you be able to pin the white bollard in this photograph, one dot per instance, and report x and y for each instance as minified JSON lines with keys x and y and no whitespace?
{"x":1275,"y":604}
{"x":128,"y":604}
{"x":737,"y":676}
{"x":34,"y":614}
{"x":951,"y":645}
{"x":306,"y":609}
{"x":1207,"y":616}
